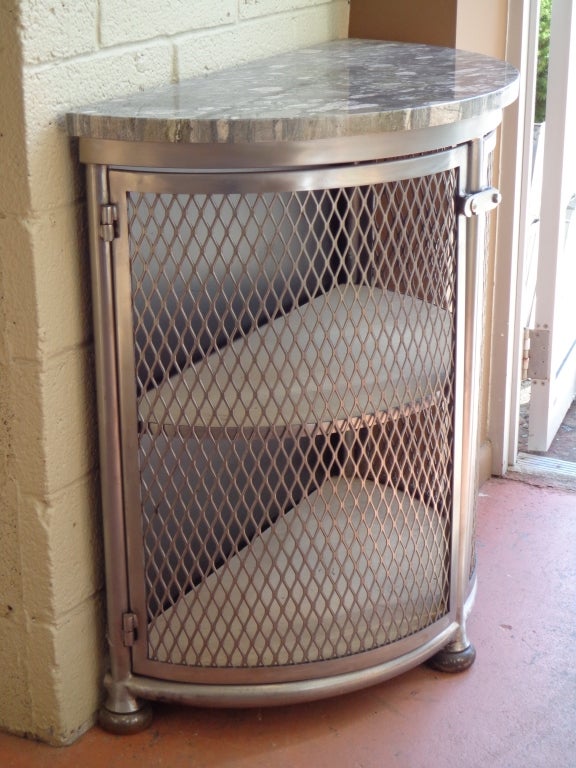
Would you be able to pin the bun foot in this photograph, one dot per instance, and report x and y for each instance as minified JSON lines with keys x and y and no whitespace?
{"x":125,"y":723}
{"x":448,"y":660}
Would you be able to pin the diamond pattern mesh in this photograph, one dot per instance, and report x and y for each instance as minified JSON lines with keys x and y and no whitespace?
{"x":295,"y":389}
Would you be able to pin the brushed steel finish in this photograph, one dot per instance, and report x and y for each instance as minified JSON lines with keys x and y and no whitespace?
{"x":303,"y":201}
{"x":286,"y":693}
{"x":246,"y":511}
{"x":108,"y":422}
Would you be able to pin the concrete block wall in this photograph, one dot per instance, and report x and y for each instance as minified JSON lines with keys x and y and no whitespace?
{"x":54,"y":55}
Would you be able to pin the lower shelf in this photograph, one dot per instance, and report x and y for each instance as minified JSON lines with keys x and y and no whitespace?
{"x":354,"y":566}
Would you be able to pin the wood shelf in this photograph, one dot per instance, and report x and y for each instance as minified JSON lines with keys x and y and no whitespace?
{"x":306,"y":589}
{"x":353,"y":352}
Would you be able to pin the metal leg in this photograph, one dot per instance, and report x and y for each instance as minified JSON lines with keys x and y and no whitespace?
{"x":460,"y":654}
{"x":123,"y":713}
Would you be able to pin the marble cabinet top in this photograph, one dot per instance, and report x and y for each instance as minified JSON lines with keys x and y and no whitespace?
{"x":337,"y":89}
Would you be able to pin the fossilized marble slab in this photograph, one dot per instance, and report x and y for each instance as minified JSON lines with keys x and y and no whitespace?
{"x":337,"y":89}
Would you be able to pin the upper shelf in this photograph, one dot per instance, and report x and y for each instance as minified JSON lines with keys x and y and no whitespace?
{"x":351,"y":352}
{"x":334,"y":90}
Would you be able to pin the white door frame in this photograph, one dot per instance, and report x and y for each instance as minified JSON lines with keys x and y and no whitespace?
{"x":554,"y":381}
{"x":516,"y":159}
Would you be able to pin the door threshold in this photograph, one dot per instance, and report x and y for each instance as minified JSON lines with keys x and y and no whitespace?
{"x":544,"y":470}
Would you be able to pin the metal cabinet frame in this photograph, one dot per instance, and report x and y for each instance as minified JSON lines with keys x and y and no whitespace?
{"x":113,"y":166}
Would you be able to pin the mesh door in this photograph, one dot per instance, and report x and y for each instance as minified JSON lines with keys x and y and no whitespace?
{"x":295,"y":381}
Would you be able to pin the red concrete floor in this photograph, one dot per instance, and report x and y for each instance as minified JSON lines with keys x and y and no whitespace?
{"x":516,"y":707}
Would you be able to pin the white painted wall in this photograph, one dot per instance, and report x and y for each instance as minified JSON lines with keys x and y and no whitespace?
{"x":54,"y":55}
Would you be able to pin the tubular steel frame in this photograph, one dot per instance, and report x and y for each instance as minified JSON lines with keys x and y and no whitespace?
{"x":177,"y":168}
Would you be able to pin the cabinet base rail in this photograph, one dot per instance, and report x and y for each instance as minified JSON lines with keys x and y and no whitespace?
{"x":127,"y":708}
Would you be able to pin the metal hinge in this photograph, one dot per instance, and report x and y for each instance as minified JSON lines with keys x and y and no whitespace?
{"x":129,"y":629}
{"x":538,"y":360}
{"x":479,"y":202}
{"x":108,"y":219}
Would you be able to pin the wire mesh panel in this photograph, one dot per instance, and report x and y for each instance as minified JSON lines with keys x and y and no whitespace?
{"x":294,"y":379}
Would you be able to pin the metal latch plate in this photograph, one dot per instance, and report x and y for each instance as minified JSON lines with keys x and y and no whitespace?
{"x":479,"y":202}
{"x":538,"y":363}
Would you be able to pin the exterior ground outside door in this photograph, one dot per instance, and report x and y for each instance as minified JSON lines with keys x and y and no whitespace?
{"x":553,"y":341}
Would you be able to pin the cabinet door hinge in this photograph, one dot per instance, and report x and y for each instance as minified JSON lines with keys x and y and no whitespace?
{"x":538,"y":360}
{"x":479,"y":202}
{"x":108,"y":220}
{"x":129,"y":629}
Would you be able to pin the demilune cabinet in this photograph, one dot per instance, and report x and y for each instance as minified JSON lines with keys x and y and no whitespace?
{"x":287,"y":355}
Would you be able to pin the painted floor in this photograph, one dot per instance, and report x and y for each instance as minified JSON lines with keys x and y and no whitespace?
{"x":516,"y":707}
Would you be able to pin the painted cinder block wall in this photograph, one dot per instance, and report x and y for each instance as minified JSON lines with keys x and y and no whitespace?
{"x":54,"y":55}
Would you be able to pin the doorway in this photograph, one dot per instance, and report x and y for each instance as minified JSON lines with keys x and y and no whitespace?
{"x":546,"y":436}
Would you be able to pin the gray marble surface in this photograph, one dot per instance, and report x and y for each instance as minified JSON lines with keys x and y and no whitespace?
{"x":337,"y":89}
